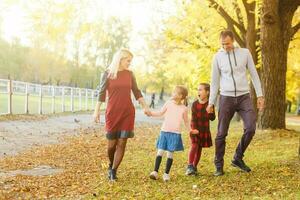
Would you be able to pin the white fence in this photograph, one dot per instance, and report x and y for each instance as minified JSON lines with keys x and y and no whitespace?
{"x":18,"y":97}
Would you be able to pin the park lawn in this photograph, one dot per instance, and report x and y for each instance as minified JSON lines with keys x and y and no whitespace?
{"x":272,"y":156}
{"x":19,"y":104}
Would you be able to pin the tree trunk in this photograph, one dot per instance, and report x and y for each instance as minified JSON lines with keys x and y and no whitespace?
{"x":275,"y":37}
{"x":298,"y":104}
{"x":251,"y":42}
{"x":299,"y":149}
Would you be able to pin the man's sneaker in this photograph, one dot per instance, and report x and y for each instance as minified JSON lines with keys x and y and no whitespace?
{"x":166,"y":177}
{"x":154,"y":175}
{"x":219,"y":172}
{"x":241,"y":165}
{"x":190,"y":170}
{"x":113,"y":175}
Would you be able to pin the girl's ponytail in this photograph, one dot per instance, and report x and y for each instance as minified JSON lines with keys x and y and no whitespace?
{"x":185,"y":101}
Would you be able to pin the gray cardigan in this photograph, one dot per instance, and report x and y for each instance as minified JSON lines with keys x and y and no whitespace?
{"x":229,"y":74}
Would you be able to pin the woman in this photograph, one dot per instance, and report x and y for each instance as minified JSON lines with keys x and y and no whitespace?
{"x":118,"y":81}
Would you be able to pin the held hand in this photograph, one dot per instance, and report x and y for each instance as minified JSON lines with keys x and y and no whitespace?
{"x":260,"y":103}
{"x":147,"y":112}
{"x":194,"y":132}
{"x":210,"y":108}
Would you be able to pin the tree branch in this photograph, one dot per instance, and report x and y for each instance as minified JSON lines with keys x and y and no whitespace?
{"x":237,"y":37}
{"x":295,"y":29}
{"x":226,"y":16}
{"x":197,"y":46}
{"x":246,"y":5}
{"x":249,"y":8}
{"x":238,"y":13}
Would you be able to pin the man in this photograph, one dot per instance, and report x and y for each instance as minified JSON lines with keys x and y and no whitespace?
{"x":229,"y":74}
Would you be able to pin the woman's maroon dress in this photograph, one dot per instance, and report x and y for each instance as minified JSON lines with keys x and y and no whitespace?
{"x":120,"y":112}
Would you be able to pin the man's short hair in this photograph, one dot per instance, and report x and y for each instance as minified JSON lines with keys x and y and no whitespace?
{"x":226,"y":33}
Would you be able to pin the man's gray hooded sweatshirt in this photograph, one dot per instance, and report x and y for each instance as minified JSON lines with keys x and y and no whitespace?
{"x":229,"y":74}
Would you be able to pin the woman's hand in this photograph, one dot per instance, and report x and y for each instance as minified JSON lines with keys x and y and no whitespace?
{"x":194,"y":132}
{"x":96,"y":114}
{"x":96,"y":117}
{"x":145,"y":107}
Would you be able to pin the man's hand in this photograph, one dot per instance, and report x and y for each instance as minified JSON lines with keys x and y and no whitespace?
{"x":210,"y":108}
{"x":260,"y":103}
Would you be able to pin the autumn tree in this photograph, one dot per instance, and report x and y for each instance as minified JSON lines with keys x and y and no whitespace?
{"x":276,"y":33}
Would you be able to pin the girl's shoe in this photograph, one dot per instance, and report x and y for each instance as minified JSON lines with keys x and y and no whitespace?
{"x":166,"y":177}
{"x":154,"y":175}
{"x":113,"y":175}
{"x":109,"y":172}
{"x":190,"y":170}
{"x":196,"y":173}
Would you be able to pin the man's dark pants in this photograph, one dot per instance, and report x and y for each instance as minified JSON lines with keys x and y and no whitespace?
{"x":227,"y":107}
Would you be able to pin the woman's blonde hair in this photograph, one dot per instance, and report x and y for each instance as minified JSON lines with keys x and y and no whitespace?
{"x":115,"y":63}
{"x":184,"y":93}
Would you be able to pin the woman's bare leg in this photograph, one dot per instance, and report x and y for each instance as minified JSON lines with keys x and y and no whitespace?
{"x":111,"y":150}
{"x":119,"y":153}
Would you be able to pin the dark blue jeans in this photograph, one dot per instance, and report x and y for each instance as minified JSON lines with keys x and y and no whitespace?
{"x":227,"y":107}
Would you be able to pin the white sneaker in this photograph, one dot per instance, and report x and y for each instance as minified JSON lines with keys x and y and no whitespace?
{"x":166,"y":177}
{"x":154,"y":175}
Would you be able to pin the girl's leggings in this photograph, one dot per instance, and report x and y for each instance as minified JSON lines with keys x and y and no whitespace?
{"x":195,"y":154}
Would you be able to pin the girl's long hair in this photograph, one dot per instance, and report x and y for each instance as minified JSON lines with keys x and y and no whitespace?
{"x":115,"y":63}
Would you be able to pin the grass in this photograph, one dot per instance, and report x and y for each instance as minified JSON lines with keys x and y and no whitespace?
{"x":272,"y":156}
{"x":33,"y":105}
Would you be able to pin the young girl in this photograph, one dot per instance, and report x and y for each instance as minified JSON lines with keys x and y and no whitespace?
{"x":174,"y":112}
{"x":200,"y":122}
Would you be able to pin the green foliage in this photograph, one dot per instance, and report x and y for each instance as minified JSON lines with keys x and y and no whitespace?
{"x":66,"y":46}
{"x":183,"y":54}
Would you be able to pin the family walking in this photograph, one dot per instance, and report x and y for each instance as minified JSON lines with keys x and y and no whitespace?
{"x":229,"y":78}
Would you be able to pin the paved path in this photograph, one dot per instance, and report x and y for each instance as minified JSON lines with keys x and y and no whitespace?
{"x":19,"y":135}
